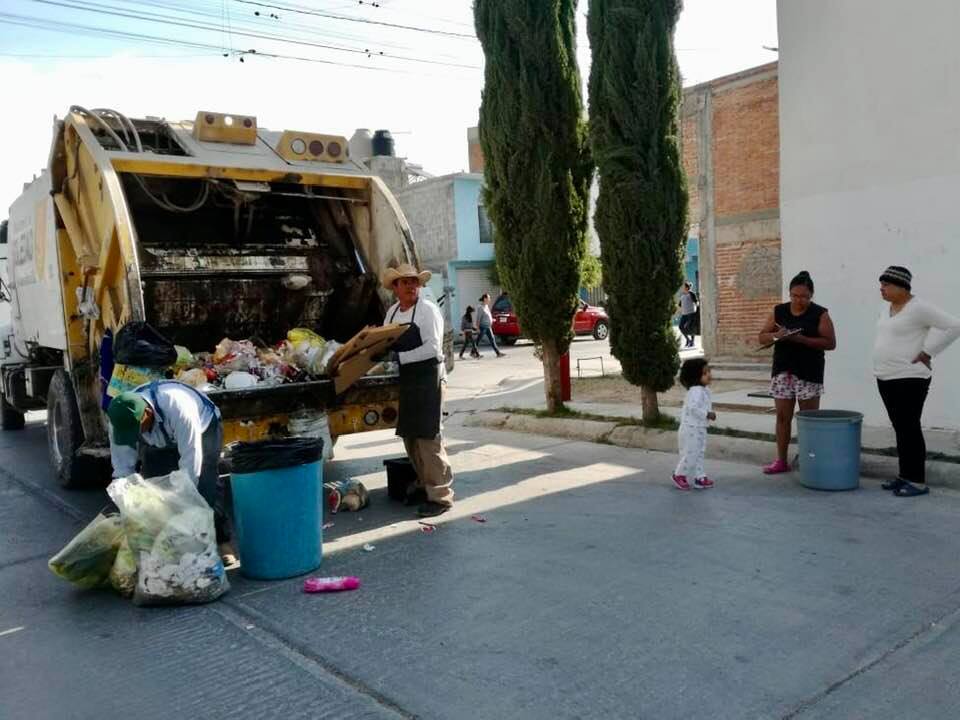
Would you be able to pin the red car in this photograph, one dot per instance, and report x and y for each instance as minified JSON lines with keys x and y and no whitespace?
{"x":589,"y":320}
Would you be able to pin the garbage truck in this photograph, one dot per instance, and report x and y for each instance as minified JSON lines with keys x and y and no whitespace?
{"x":206,"y":229}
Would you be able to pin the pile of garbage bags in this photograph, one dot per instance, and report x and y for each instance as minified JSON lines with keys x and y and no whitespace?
{"x":161,"y":549}
{"x":240,"y":364}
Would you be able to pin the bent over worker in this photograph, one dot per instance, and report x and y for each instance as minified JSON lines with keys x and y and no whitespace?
{"x":420,"y":353}
{"x":169,"y":426}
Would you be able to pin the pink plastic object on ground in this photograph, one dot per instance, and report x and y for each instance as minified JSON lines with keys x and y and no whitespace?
{"x":330,"y":584}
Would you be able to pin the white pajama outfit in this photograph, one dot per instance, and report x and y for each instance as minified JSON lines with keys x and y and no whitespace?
{"x":692,"y":438}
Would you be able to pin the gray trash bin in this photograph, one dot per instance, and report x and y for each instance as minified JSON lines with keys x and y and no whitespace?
{"x":829,"y":449}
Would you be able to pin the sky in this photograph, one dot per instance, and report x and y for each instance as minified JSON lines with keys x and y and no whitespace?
{"x":330,"y":66}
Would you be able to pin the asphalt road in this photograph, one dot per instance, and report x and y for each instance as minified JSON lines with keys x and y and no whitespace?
{"x":593,"y":589}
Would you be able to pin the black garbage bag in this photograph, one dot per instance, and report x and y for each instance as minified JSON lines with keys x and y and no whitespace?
{"x":254,"y":457}
{"x":137,"y":343}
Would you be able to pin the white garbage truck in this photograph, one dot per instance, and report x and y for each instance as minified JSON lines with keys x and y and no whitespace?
{"x":206,"y":229}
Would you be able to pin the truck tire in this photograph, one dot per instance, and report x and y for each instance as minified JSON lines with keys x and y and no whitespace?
{"x":12,"y":419}
{"x":64,"y":432}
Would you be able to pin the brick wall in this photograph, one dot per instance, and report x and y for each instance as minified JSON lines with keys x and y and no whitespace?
{"x":740,"y":233}
{"x":746,"y":148}
{"x":746,"y":291}
{"x":691,"y":154}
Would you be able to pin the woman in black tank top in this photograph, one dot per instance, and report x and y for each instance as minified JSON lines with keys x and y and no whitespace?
{"x":801,"y":332}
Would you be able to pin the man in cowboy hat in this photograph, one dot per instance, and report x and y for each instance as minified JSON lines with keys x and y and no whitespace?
{"x":420,"y":352}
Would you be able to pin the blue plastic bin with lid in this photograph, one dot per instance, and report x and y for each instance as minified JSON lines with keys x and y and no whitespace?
{"x":277,"y":487}
{"x":829,"y":449}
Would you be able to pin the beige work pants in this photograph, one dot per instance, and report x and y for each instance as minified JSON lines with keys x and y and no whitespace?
{"x":434,"y":473}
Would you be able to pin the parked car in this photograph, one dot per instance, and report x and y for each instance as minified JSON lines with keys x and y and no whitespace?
{"x":589,"y":320}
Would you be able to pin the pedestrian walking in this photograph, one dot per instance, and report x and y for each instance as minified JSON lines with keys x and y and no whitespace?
{"x":695,"y":417}
{"x":469,"y":330}
{"x":801,"y":332}
{"x":689,"y":305}
{"x":420,"y":352}
{"x":485,"y":323}
{"x":903,"y":355}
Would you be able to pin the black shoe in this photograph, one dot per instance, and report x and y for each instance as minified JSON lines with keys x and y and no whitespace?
{"x":894,"y":484}
{"x":415,"y":496}
{"x":910,"y":489}
{"x":431,"y":509}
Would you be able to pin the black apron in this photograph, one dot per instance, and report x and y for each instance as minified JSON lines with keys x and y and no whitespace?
{"x":420,"y":393}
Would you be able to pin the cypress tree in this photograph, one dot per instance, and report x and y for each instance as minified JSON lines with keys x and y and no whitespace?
{"x":641,"y":214}
{"x":537,"y":165}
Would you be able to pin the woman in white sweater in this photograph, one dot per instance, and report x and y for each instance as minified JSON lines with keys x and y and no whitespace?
{"x":902,"y":362}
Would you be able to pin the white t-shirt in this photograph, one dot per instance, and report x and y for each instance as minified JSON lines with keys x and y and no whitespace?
{"x":430,"y":322}
{"x":181,"y":416}
{"x":902,"y":337}
{"x":697,"y":405}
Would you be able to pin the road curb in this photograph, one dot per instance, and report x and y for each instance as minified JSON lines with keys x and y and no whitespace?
{"x":719,"y":447}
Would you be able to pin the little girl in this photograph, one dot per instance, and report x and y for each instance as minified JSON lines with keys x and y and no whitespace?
{"x":697,"y":412}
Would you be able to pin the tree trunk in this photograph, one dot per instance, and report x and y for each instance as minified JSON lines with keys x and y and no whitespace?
{"x":551,"y":377}
{"x":651,"y":407}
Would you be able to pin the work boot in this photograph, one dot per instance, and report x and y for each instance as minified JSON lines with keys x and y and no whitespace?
{"x":432,"y":509}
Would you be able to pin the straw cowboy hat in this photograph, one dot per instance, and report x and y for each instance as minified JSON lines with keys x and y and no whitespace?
{"x":391,"y":275}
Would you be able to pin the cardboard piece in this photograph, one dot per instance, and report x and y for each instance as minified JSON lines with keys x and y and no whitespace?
{"x":355,"y":359}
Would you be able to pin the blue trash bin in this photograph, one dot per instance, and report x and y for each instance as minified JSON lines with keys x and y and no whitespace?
{"x":829,"y":449}
{"x":277,"y":513}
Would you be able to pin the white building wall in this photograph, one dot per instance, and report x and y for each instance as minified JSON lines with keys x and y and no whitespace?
{"x":870,"y":173}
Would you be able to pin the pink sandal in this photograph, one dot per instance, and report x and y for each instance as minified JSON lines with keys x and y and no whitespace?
{"x":776,"y":468}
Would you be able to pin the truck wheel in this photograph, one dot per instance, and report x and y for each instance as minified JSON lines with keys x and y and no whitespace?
{"x":64,"y":432}
{"x":601,"y":330}
{"x":12,"y":419}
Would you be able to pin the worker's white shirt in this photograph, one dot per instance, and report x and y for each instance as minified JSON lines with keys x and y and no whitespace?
{"x":185,"y":417}
{"x":430,"y":322}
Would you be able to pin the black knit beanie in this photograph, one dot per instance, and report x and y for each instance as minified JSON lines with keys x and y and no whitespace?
{"x":897,"y":275}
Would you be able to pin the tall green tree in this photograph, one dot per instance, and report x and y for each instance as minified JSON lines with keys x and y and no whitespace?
{"x":537,"y":165}
{"x":641,"y":215}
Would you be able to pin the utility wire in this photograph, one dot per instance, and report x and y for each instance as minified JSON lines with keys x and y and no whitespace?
{"x":64,"y":27}
{"x":194,"y":10}
{"x":349,"y":18}
{"x":119,"y":12}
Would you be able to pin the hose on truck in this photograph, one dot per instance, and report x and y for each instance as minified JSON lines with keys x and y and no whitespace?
{"x":125,"y":123}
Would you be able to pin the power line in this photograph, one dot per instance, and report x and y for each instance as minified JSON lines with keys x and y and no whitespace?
{"x":107,"y":57}
{"x":195,"y":9}
{"x":65,"y":27}
{"x":120,"y":12}
{"x":349,"y":18}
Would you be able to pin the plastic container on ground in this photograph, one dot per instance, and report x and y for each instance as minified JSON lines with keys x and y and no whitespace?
{"x":277,"y":493}
{"x":400,"y":476}
{"x":829,"y":449}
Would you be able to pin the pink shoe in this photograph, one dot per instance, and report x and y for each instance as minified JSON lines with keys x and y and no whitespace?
{"x":681,"y":482}
{"x":776,"y":468}
{"x":703,"y":483}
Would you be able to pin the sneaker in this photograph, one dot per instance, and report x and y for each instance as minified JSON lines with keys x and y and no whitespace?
{"x":432,"y":509}
{"x":776,"y":468}
{"x":703,"y":483}
{"x":681,"y":482}
{"x":909,"y":489}
{"x":894,"y":484}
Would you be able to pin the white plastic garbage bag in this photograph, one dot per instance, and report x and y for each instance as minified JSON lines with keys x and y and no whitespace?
{"x":169,"y":528}
{"x":311,"y":424}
